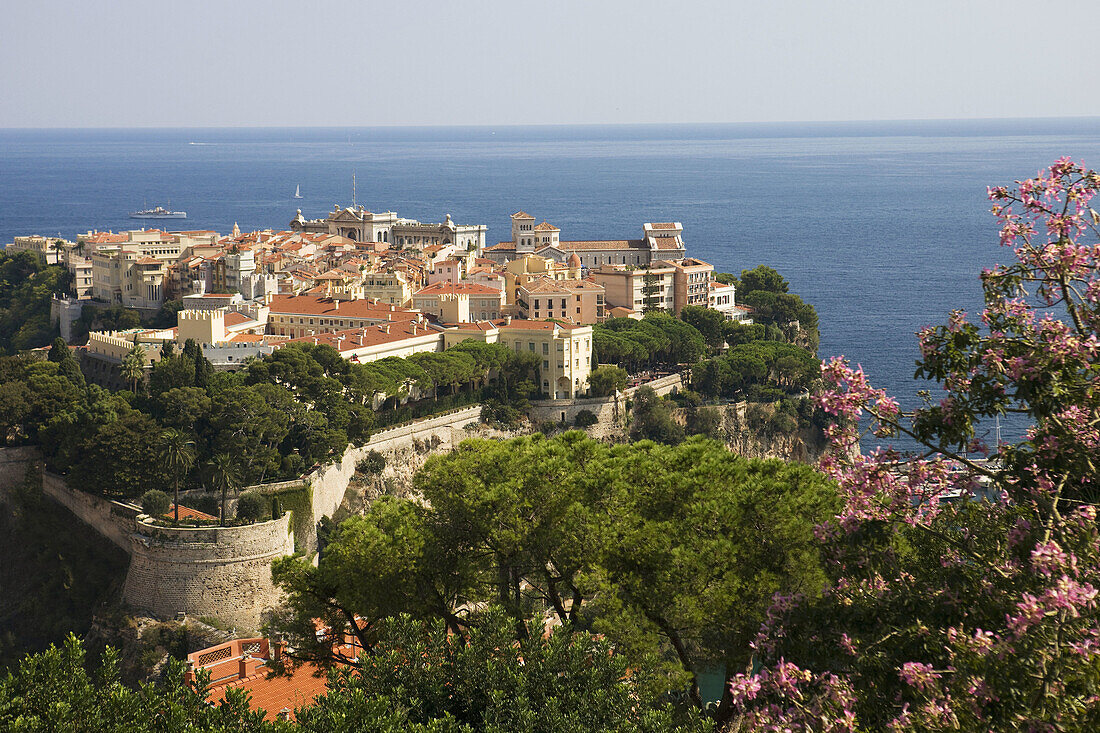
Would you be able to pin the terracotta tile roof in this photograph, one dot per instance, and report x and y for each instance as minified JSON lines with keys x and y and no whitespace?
{"x":663,"y":225}
{"x":243,"y":338}
{"x":548,"y":285}
{"x":186,"y":512}
{"x":522,"y":215}
{"x":602,"y":244}
{"x":148,"y":261}
{"x":545,"y":227}
{"x":233,"y":318}
{"x":357,"y":338}
{"x":667,"y":243}
{"x":520,"y":324}
{"x":462,"y":288}
{"x":312,"y":305}
{"x":502,"y":246}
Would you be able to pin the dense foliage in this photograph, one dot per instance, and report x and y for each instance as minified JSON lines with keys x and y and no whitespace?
{"x":417,"y":680}
{"x":274,"y":419}
{"x":26,"y":286}
{"x":943,"y":612}
{"x":657,"y":340}
{"x":673,"y":552}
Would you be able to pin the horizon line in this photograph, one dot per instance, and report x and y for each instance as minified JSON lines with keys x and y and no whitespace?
{"x":545,"y":125}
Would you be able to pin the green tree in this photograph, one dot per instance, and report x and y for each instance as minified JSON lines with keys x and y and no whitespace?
{"x":418,"y":678}
{"x":652,"y":418}
{"x":606,"y":379}
{"x":177,"y":452}
{"x":706,"y":321}
{"x":761,"y":278}
{"x":56,"y":691}
{"x":225,"y":475}
{"x":133,"y":367}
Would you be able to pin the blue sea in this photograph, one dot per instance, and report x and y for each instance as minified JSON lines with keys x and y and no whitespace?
{"x":884,"y":227}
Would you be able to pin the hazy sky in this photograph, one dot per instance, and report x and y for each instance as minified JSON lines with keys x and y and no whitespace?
{"x":452,"y":62}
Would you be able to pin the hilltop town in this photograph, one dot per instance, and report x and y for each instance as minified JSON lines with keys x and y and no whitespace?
{"x":374,"y":285}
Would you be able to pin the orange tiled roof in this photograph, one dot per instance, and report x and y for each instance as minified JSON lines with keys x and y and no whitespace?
{"x":233,"y":318}
{"x":463,"y":288}
{"x":522,"y":215}
{"x":663,"y":225}
{"x":312,"y":305}
{"x":545,"y":227}
{"x":358,"y":338}
{"x":186,"y":512}
{"x":602,"y":244}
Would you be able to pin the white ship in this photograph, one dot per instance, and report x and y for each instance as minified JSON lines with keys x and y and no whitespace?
{"x":298,"y":191}
{"x":158,"y":212}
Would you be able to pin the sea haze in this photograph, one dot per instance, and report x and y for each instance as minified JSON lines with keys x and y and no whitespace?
{"x":884,"y":227}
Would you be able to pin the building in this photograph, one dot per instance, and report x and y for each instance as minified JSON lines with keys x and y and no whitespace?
{"x":245,"y":664}
{"x":47,"y":249}
{"x":578,"y":301}
{"x":691,"y":280}
{"x":529,"y":267}
{"x":360,"y":225}
{"x":459,"y":302}
{"x":565,"y":348}
{"x":662,"y":240}
{"x":722,"y":300}
{"x":400,"y":339}
{"x":310,"y":315}
{"x":640,"y":290}
{"x":392,"y":288}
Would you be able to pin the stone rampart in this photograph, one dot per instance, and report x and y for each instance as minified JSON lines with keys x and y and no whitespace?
{"x":608,"y":410}
{"x":112,"y":519}
{"x":14,"y":463}
{"x":330,"y":483}
{"x":223,"y":572}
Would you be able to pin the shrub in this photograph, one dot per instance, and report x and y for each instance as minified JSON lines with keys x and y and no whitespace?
{"x":207,"y":503}
{"x":585,"y":419}
{"x":372,"y":463}
{"x":252,"y":506}
{"x":155,"y":503}
{"x":276,"y":508}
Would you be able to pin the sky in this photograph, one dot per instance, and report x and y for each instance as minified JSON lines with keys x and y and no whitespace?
{"x":228,"y":63}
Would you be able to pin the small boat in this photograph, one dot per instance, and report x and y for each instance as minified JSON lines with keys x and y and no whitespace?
{"x":298,"y":191}
{"x":158,"y":212}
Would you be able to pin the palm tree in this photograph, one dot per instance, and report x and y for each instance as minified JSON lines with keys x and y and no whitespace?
{"x":226,"y":476}
{"x":133,"y":367}
{"x":177,"y":451}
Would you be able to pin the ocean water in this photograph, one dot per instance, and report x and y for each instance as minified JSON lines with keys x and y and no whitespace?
{"x":884,"y":227}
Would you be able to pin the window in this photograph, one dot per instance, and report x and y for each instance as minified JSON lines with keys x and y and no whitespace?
{"x":546,"y":348}
{"x":530,"y":345}
{"x":545,"y":364}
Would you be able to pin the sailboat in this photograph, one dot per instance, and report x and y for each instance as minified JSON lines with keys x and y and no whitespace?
{"x":298,"y":191}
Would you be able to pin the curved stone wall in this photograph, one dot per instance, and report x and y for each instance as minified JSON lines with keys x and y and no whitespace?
{"x":224,"y":572}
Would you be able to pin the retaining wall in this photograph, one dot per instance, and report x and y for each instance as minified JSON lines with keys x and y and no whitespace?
{"x":112,"y":519}
{"x":608,"y":410}
{"x":329,"y":483}
{"x":13,"y":466}
{"x":223,"y":572}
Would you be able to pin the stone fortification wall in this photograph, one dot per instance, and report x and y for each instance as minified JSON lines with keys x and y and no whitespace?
{"x":14,"y":463}
{"x":224,"y":572}
{"x":608,"y":410}
{"x":112,"y":519}
{"x":330,"y":483}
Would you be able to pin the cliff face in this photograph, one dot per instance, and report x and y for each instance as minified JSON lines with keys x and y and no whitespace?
{"x":762,"y":431}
